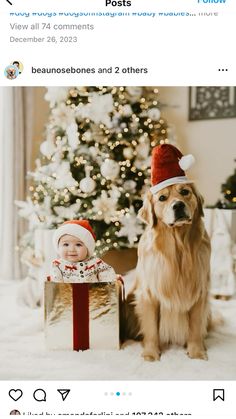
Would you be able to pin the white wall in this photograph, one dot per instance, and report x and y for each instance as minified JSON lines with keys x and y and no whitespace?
{"x":213,"y":143}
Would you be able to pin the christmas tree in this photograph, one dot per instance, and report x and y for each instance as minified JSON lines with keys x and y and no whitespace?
{"x":95,"y":161}
{"x":229,"y":191}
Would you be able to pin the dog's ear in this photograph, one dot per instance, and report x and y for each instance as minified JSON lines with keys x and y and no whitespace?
{"x":200,"y":201}
{"x":146,"y":213}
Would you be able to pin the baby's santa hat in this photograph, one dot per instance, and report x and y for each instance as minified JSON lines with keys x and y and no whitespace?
{"x":168,"y":165}
{"x":77,"y":228}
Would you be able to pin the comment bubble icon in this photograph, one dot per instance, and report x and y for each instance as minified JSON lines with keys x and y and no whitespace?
{"x":40,"y":395}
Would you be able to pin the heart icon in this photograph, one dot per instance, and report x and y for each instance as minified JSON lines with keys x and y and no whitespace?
{"x":15,"y":394}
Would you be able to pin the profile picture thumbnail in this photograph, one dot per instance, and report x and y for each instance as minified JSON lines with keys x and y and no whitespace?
{"x":15,"y":412}
{"x":13,"y":70}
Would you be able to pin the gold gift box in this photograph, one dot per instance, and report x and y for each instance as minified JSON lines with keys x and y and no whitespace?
{"x":83,"y":316}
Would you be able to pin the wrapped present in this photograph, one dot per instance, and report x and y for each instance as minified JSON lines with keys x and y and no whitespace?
{"x":83,"y":316}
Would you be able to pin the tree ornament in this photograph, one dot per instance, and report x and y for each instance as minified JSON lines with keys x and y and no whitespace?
{"x":142,"y":164}
{"x":56,"y":95}
{"x":63,"y":178}
{"x":94,"y":151}
{"x":29,"y":210}
{"x":143,"y":150}
{"x":62,"y":116}
{"x":154,"y":114}
{"x":98,"y":109}
{"x":87,"y":136}
{"x":72,"y":135}
{"x":114,"y":192}
{"x":128,"y":152}
{"x":131,"y":227}
{"x":135,"y":93}
{"x":110,"y":169}
{"x":68,"y":213}
{"x":127,"y":110}
{"x":47,"y":148}
{"x":130,"y":186}
{"x":87,"y":185}
{"x":105,"y":207}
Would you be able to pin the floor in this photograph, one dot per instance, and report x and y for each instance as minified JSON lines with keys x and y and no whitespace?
{"x":24,"y":357}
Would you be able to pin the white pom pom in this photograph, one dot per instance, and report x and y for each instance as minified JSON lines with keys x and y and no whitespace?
{"x":186,"y":162}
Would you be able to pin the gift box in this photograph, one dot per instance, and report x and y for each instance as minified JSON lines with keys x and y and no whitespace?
{"x":83,"y":316}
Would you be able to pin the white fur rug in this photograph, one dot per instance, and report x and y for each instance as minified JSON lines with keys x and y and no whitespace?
{"x":24,"y":357}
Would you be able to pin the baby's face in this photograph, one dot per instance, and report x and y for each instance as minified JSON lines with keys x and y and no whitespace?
{"x":72,"y":249}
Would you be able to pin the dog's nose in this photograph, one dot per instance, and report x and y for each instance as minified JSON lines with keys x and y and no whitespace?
{"x":179,"y":205}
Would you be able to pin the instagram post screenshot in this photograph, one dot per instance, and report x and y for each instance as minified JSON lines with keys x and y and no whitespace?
{"x":118,"y":208}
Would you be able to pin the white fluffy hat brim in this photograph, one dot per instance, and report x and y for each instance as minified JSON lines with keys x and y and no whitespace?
{"x":168,"y":182}
{"x":77,"y":231}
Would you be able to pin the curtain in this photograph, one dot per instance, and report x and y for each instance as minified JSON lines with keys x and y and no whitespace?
{"x":16,"y":115}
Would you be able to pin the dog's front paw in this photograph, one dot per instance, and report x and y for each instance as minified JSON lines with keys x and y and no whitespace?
{"x":151,"y":354}
{"x":195,"y":351}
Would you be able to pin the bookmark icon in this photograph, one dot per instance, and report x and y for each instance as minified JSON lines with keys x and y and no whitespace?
{"x":218,"y":393}
{"x":64,"y":393}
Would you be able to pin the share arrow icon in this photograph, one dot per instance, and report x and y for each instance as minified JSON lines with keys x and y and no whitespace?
{"x":64,"y":393}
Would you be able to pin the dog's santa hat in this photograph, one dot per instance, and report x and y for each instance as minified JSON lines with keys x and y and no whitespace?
{"x":77,"y":228}
{"x":168,"y":165}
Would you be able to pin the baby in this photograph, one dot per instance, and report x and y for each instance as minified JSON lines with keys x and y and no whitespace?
{"x":74,"y":242}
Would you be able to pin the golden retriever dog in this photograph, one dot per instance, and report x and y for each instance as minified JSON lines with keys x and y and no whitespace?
{"x":170,"y":292}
